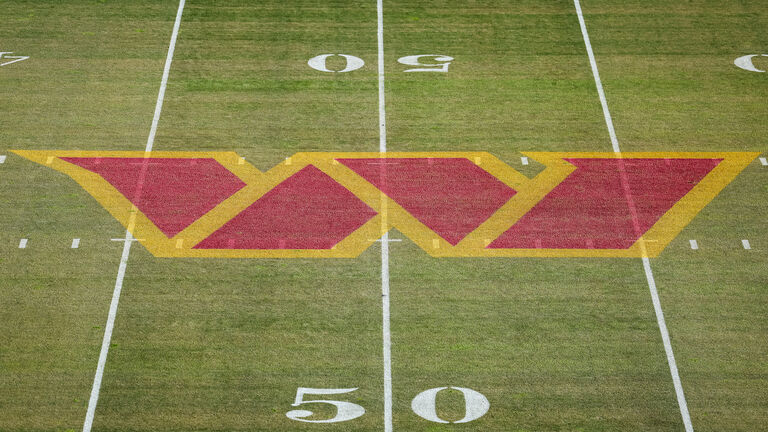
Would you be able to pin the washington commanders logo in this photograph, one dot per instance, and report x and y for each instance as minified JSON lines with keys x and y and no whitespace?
{"x":451,"y":204}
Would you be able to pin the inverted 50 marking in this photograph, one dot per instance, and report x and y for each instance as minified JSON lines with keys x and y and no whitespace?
{"x":424,"y":405}
{"x":437,"y":62}
{"x":3,"y":56}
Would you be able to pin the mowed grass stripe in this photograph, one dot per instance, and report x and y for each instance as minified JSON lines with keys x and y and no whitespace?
{"x":669,"y":72}
{"x":225,"y":344}
{"x":128,"y":240}
{"x":90,"y":78}
{"x":679,"y":392}
{"x":554,"y":344}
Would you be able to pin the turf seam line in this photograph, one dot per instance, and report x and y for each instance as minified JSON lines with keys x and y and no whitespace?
{"x":385,"y":325}
{"x":646,"y":262}
{"x":94,"y":398}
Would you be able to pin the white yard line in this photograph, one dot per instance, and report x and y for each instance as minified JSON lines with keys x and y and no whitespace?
{"x":667,"y":346}
{"x":600,"y":92}
{"x":164,"y":81}
{"x":385,"y":328}
{"x":382,"y":109}
{"x":94,"y":399}
{"x":646,"y":262}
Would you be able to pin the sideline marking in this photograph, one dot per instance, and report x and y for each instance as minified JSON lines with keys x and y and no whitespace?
{"x":75,"y":243}
{"x":764,"y":161}
{"x":23,"y":244}
{"x":646,"y":262}
{"x":694,"y":245}
{"x":385,"y":328}
{"x":2,"y":159}
{"x":746,"y":244}
{"x":94,"y":398}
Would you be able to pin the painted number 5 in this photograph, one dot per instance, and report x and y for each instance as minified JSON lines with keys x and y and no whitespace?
{"x":415,"y":60}
{"x":344,"y":410}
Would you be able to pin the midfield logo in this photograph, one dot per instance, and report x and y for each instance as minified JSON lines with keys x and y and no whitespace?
{"x":451,"y":204}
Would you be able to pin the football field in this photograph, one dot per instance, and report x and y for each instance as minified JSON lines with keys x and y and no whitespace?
{"x":383,"y":215}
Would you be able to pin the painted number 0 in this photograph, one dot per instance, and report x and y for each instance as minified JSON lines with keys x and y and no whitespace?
{"x":438,"y":63}
{"x":475,"y":405}
{"x":318,"y":63}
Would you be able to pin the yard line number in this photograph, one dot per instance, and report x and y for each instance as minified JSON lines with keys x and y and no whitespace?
{"x":423,"y":405}
{"x":4,"y":57}
{"x":745,"y":62}
{"x":421,"y":63}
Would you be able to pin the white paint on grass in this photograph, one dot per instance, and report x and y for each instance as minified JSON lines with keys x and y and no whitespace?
{"x":16,"y":58}
{"x":598,"y":82}
{"x":164,"y":80}
{"x":667,"y":346}
{"x":94,"y":398}
{"x":319,"y":63}
{"x":646,"y":262}
{"x":475,"y":405}
{"x":75,"y":243}
{"x":745,"y":62}
{"x":415,"y":60}
{"x":23,"y":244}
{"x":345,"y":411}
{"x":694,"y":244}
{"x":745,"y":244}
{"x":385,"y":316}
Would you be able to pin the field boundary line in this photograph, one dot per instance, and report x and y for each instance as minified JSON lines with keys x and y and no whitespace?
{"x":94,"y":398}
{"x":646,"y":261}
{"x":385,"y":311}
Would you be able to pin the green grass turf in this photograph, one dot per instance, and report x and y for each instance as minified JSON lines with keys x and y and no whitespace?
{"x":90,"y":83}
{"x":222,"y":345}
{"x":671,"y":83}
